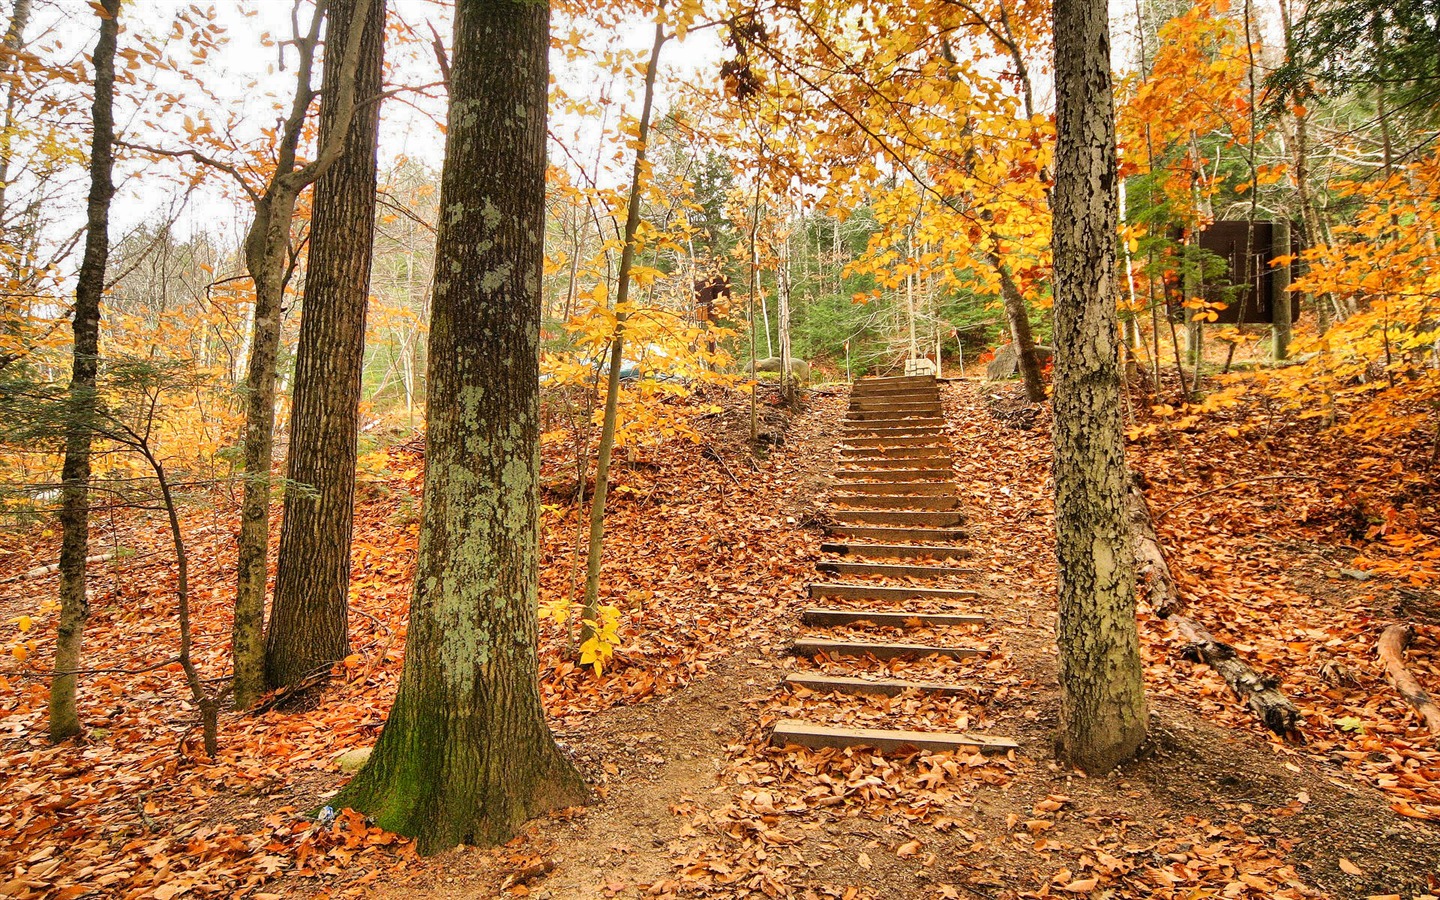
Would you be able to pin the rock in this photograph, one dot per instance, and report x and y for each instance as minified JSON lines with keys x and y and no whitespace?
{"x":799,"y":368}
{"x":1006,"y":363}
{"x":352,"y":761}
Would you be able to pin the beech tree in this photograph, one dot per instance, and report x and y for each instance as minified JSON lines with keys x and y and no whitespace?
{"x":1102,"y":697}
{"x":590,"y":616}
{"x":89,"y":288}
{"x":466,"y":755}
{"x":308,"y":624}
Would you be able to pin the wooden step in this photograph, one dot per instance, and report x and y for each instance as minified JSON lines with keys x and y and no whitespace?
{"x":808,"y":646}
{"x":888,"y":425}
{"x":895,"y":411}
{"x":891,"y":473}
{"x":888,"y":687}
{"x":890,"y":570}
{"x":928,"y":518}
{"x":900,"y":619}
{"x":897,"y":551}
{"x":928,"y":488}
{"x":896,"y":393}
{"x":884,"y":533}
{"x":805,"y":734}
{"x":892,"y":421}
{"x":886,"y":441}
{"x":913,"y":387}
{"x":849,"y":453}
{"x":884,"y":381}
{"x":903,"y":467}
{"x":837,"y":590}
{"x":900,"y":462}
{"x":858,"y":431}
{"x":884,"y":401}
{"x":890,"y":501}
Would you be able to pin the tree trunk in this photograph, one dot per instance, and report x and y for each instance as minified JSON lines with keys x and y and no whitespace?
{"x":267,"y":258}
{"x":1280,"y":309}
{"x":89,"y":287}
{"x":1102,"y":703}
{"x":788,"y":388}
{"x":14,"y":40}
{"x":466,"y":755}
{"x":308,"y":617}
{"x":1018,"y":315}
{"x":590,"y":614}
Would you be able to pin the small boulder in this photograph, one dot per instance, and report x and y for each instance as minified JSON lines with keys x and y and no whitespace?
{"x":352,"y":761}
{"x":799,"y":368}
{"x":1006,"y":363}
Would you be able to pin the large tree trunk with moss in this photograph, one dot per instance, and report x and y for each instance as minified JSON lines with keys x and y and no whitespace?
{"x":1102,"y":698}
{"x":466,"y":755}
{"x":89,"y":287}
{"x":308,"y":618}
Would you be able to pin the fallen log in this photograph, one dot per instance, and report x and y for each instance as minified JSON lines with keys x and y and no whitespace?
{"x":1391,"y":648}
{"x":1259,"y":693}
{"x":52,"y":568}
{"x":1152,"y":573}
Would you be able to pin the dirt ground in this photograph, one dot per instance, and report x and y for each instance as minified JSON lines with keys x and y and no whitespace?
{"x":709,"y":557}
{"x":692,"y":801}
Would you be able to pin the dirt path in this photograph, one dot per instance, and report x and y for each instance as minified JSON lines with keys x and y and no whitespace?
{"x":693,"y":801}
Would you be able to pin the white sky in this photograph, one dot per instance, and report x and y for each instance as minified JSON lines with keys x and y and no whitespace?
{"x":245,"y":76}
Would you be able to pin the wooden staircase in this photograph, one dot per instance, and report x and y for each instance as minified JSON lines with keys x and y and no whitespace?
{"x":895,"y":526}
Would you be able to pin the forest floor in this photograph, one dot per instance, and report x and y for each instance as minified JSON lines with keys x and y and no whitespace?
{"x":708,"y":555}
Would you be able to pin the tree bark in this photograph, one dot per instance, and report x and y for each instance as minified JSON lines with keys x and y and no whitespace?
{"x":1102,"y":701}
{"x":89,"y":288}
{"x":1280,"y":300}
{"x":14,"y":40}
{"x":308,"y":626}
{"x":1018,"y":315}
{"x":267,"y":259}
{"x":466,"y":755}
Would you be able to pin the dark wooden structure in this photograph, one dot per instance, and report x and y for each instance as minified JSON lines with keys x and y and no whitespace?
{"x":1253,"y":304}
{"x":708,"y":291}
